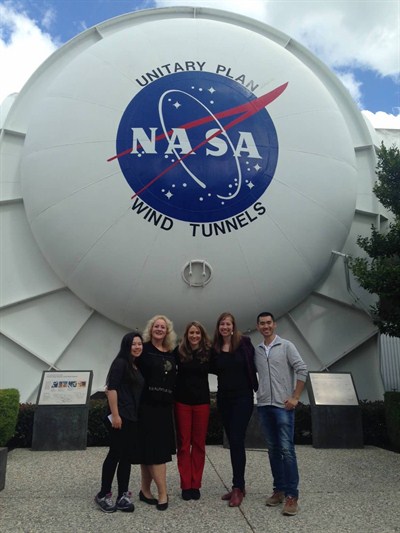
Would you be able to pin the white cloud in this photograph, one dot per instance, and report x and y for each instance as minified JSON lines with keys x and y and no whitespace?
{"x":48,"y":19}
{"x":23,"y":47}
{"x":361,"y":33}
{"x":343,"y":34}
{"x":353,"y":33}
{"x":382,"y":120}
{"x":352,"y":85}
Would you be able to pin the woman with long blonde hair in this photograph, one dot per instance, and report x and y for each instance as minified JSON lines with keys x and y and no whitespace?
{"x":156,"y":427}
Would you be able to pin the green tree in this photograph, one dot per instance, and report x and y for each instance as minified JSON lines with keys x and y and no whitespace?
{"x":380,"y":272}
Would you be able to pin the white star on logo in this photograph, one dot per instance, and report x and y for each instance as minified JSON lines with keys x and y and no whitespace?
{"x":211,"y":90}
{"x":257,"y":167}
{"x":250,"y":185}
{"x":169,"y":195}
{"x":177,"y":105}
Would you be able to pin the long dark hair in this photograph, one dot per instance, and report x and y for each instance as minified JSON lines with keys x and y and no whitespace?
{"x":235,"y":338}
{"x":185,"y":350}
{"x":125,"y":354}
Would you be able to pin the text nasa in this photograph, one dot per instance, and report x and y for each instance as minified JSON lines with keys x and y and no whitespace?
{"x":216,"y":147}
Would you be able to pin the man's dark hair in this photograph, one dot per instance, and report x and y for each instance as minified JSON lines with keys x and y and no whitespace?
{"x":265,"y":313}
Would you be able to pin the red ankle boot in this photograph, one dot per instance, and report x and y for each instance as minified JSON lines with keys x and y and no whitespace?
{"x":236,"y":498}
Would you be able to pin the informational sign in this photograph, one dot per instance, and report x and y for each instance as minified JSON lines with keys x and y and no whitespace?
{"x":332,"y":388}
{"x":70,"y":387}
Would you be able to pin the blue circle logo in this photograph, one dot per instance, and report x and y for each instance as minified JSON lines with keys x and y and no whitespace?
{"x":198,"y":146}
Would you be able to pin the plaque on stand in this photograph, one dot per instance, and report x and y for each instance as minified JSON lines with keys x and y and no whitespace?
{"x":335,"y":410}
{"x":62,"y":412}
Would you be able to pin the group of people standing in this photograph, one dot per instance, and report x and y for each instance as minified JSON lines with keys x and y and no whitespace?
{"x":159,"y":403}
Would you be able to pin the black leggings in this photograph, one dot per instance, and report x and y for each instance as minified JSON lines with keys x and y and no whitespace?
{"x":119,"y":458}
{"x":236,"y":414}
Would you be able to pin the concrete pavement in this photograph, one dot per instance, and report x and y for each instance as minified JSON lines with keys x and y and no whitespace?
{"x":341,"y":491}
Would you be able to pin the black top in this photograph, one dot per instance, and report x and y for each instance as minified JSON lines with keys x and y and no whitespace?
{"x":128,"y":390}
{"x":235,"y":371}
{"x":159,"y":372}
{"x":192,"y":382}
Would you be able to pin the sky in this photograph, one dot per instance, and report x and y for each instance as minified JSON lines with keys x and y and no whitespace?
{"x":359,"y":40}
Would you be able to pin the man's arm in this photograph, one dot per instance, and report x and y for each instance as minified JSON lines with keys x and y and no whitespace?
{"x":292,"y":402}
{"x":300,"y":370}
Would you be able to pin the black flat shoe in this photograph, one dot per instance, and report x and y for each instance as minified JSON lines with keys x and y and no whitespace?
{"x":162,"y":506}
{"x":195,"y":494}
{"x":145,"y":499}
{"x":187,"y":494}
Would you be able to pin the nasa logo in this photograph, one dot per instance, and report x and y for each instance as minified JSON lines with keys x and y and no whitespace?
{"x":197,"y":146}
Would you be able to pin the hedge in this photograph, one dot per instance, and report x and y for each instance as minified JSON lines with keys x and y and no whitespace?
{"x":9,"y":406}
{"x":375,"y":432}
{"x":392,"y":412}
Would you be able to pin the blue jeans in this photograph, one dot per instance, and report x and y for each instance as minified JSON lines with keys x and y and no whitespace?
{"x":278,"y":427}
{"x":236,"y":414}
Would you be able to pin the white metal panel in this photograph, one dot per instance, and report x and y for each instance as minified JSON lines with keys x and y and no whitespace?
{"x":334,"y":286}
{"x":46,"y":325}
{"x":92,"y":213}
{"x":348,"y":328}
{"x":94,"y":348}
{"x":390,"y":362}
{"x":19,"y":115}
{"x":19,"y":370}
{"x":366,"y":200}
{"x":10,"y":154}
{"x":24,"y":271}
{"x":5,"y":107}
{"x":363,"y":363}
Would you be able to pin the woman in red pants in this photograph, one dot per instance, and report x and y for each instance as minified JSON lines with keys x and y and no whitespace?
{"x":192,"y":408}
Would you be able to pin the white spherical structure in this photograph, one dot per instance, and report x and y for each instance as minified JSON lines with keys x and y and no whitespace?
{"x":166,"y":163}
{"x":262,"y":203}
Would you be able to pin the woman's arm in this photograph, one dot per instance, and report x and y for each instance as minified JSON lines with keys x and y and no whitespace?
{"x":116,"y":421}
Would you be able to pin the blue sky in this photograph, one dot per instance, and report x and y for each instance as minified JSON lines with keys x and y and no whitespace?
{"x":358,"y":39}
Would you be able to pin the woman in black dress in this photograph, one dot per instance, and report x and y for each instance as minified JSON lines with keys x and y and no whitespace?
{"x":124,"y":387}
{"x":157,"y":435}
{"x":232,"y":359}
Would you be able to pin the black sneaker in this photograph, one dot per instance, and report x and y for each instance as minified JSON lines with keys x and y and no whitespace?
{"x":186,"y":494}
{"x":105,"y":503}
{"x":124,"y":503}
{"x":195,"y":494}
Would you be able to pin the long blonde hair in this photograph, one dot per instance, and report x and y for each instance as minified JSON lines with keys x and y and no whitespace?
{"x":169,"y":341}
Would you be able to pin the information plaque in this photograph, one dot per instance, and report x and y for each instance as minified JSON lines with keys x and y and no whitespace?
{"x":70,"y":387}
{"x":332,"y":388}
{"x":335,"y":411}
{"x":62,"y":412}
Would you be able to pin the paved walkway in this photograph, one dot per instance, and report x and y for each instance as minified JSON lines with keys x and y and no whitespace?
{"x":354,"y":491}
